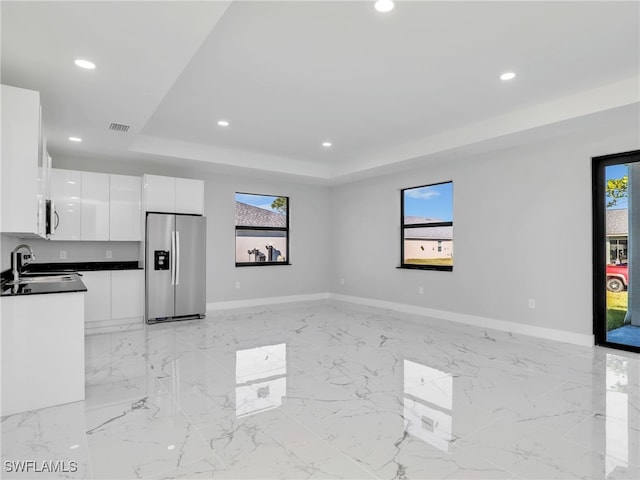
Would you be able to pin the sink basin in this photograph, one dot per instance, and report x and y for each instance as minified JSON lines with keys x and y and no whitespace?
{"x":48,"y":278}
{"x":42,"y":279}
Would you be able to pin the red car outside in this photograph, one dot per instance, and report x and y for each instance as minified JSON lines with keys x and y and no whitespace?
{"x":617,"y":277}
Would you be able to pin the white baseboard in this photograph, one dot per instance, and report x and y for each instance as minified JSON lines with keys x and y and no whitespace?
{"x":257,"y":302}
{"x":113,"y":325}
{"x":482,"y":322}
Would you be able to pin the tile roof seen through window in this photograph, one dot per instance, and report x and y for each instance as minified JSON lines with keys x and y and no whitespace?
{"x":250,"y":216}
{"x":617,"y":221}
{"x":429,"y":233}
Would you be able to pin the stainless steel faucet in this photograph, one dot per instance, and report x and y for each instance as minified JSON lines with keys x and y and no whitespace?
{"x":23,"y":260}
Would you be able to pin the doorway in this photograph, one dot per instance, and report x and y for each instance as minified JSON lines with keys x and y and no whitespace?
{"x":616,"y":250}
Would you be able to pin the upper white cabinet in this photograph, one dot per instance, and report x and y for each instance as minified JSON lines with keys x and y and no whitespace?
{"x":96,"y":206}
{"x":22,"y":160}
{"x":66,"y":192}
{"x":125,"y":216}
{"x":189,"y":196}
{"x":159,"y":194}
{"x":173,"y":195}
{"x":94,"y":223}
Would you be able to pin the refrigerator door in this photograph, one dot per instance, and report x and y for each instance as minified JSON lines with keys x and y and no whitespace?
{"x":190,"y":265}
{"x":160,"y":266}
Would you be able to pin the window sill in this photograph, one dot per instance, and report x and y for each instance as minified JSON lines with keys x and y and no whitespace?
{"x":442,"y":268}
{"x":260,"y":264}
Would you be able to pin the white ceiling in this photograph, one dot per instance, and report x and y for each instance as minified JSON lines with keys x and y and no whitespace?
{"x":384,"y":89}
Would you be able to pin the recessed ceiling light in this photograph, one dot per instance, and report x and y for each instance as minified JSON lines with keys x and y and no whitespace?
{"x":326,"y":144}
{"x":85,"y":64}
{"x":75,"y":139}
{"x":223,"y":123}
{"x":384,"y":6}
{"x":508,"y":76}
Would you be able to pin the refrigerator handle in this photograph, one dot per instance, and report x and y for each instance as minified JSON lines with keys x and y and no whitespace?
{"x":173,"y":257}
{"x":177,"y":258}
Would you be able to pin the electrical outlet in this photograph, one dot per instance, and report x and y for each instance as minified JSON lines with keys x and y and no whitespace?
{"x":237,"y":284}
{"x":421,"y":290}
{"x":342,"y":281}
{"x":63,"y":254}
{"x":532,"y":303}
{"x":109,"y":254}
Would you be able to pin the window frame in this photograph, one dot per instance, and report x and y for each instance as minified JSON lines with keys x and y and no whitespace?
{"x":599,"y":250}
{"x":284,"y":229}
{"x":404,"y":227}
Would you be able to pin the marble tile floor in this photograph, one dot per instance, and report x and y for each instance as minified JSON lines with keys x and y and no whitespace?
{"x":333,"y":390}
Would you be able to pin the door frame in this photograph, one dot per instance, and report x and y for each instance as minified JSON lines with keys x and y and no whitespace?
{"x":598,"y":166}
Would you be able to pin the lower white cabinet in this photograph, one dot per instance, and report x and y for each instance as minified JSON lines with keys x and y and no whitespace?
{"x":114,"y":298}
{"x":127,"y":293}
{"x":42,"y":342}
{"x":98,"y":296}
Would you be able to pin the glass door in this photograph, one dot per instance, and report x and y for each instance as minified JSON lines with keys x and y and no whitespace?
{"x":616,"y":250}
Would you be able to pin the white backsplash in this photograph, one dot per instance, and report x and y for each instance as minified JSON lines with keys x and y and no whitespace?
{"x":47,"y":251}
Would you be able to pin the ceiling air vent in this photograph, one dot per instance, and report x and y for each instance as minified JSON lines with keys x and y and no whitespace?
{"x":119,"y":127}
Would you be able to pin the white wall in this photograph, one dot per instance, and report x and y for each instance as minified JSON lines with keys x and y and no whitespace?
{"x":522,"y":230}
{"x":309,"y":234}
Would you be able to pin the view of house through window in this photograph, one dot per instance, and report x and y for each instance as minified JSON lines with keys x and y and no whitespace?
{"x":616,"y":250}
{"x":262,"y":229}
{"x":619,"y":195}
{"x":427,"y":227}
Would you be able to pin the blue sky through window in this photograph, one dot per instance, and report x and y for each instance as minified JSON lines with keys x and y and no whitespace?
{"x":260,"y":201}
{"x":433,"y":201}
{"x":617,"y":171}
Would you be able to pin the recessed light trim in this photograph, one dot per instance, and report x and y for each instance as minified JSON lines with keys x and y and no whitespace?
{"x":384,"y":6}
{"x":327,"y":144}
{"x":75,"y":139}
{"x":507,"y":76}
{"x":86,"y":64}
{"x":223,"y":123}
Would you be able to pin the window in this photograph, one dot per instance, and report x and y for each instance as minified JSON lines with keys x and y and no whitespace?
{"x":427,"y":227}
{"x":262,"y":230}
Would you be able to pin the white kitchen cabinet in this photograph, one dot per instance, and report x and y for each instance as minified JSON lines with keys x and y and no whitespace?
{"x":114,"y":299}
{"x":98,"y":296}
{"x":125,"y":215}
{"x":66,"y":192}
{"x":127,"y":293}
{"x":21,"y":161}
{"x":173,"y":195}
{"x":189,"y":196}
{"x":94,"y":211}
{"x":42,"y":351}
{"x":159,"y":194}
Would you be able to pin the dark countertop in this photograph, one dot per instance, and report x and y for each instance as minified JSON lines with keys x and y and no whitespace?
{"x":39,"y":288}
{"x":81,"y":266}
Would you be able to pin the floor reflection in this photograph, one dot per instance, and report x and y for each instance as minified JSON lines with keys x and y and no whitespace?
{"x":261,"y":379}
{"x":622,"y":400}
{"x":428,"y":404}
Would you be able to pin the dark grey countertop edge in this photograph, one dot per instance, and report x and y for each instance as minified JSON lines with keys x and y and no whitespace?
{"x":75,"y":286}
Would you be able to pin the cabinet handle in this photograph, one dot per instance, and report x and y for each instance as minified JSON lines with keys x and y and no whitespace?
{"x":55,"y":227}
{"x":173,"y":257}
{"x":178,"y":258}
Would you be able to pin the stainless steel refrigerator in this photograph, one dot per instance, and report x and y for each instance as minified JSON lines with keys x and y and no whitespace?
{"x":175,"y":267}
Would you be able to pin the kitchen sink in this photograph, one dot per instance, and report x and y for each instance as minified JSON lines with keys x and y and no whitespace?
{"x":25,"y":280}
{"x":46,"y":278}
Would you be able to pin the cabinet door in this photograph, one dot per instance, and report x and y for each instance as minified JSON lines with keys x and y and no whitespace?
{"x":189,"y":196}
{"x":94,"y":222}
{"x":97,"y":300}
{"x":20,"y":151}
{"x":127,"y":293}
{"x":159,"y":194}
{"x":66,"y":192}
{"x":125,"y":222}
